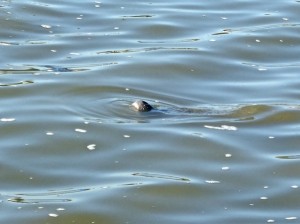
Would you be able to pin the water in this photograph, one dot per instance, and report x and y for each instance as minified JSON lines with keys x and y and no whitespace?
{"x":221,"y":146}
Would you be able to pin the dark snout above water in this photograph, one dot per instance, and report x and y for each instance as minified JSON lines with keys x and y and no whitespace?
{"x":142,"y":106}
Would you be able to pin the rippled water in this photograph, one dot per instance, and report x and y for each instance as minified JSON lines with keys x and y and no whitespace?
{"x":221,"y":146}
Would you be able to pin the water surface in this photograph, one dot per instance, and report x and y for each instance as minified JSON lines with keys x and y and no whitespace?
{"x":221,"y":146}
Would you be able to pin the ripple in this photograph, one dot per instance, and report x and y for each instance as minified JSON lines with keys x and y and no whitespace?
{"x":37,"y":200}
{"x":44,"y":197}
{"x":36,"y":69}
{"x":2,"y":43}
{"x":116,"y":110}
{"x":16,"y":83}
{"x":288,"y":157}
{"x":137,"y":16}
{"x":123,"y":51}
{"x":161,"y":176}
{"x":119,"y":110}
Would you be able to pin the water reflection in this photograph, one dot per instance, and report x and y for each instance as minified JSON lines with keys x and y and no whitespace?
{"x":146,"y":50}
{"x":51,"y":196}
{"x":34,"y":69}
{"x":289,"y":157}
{"x":17,"y":83}
{"x":162,"y":176}
{"x":37,"y":200}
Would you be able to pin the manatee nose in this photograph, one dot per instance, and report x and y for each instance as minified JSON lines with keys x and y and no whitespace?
{"x":142,"y":106}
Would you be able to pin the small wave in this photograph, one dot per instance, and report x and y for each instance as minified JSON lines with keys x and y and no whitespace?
{"x":37,"y":200}
{"x":44,"y":197}
{"x":16,"y":83}
{"x":288,"y":157}
{"x":118,"y":110}
{"x":162,"y":176}
{"x":139,"y":50}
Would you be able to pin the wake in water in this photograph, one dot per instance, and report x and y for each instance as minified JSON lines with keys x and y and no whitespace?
{"x":117,"y":110}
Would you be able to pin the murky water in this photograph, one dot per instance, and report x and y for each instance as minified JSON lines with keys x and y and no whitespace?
{"x":221,"y":146}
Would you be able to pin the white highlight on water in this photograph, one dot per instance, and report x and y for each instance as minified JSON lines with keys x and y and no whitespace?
{"x":91,"y":147}
{"x":225,"y":168}
{"x":212,"y":181}
{"x":222,"y":127}
{"x":7,"y":119}
{"x":291,"y":218}
{"x":80,"y":130}
{"x":46,"y":26}
{"x":228,"y":155}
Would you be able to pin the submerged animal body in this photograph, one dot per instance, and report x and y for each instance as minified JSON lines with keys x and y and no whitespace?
{"x":142,"y":106}
{"x":227,"y":112}
{"x":170,"y":110}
